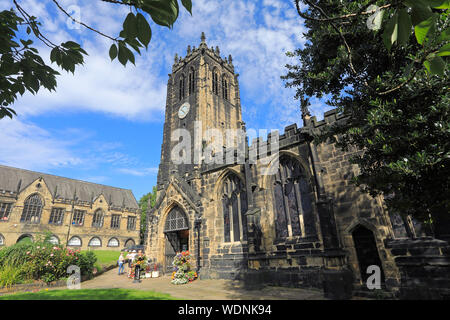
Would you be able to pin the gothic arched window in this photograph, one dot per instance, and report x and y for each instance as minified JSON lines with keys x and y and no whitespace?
{"x":54,"y":240}
{"x":234,"y":202}
{"x":191,"y":84}
{"x":224,"y":88}
{"x":32,"y":209}
{"x":129,"y":243}
{"x":95,"y":242}
{"x":176,"y":220}
{"x":181,"y":87}
{"x":97,"y":220}
{"x":293,"y":203}
{"x":75,"y":241}
{"x":215,"y":82}
{"x":113,"y":242}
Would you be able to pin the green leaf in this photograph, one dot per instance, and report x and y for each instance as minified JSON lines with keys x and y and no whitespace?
{"x":164,"y":13}
{"x":123,"y":54}
{"x":188,"y":5}
{"x":438,"y":4}
{"x":435,"y":65}
{"x":390,"y":32}
{"x":445,"y":35}
{"x":420,"y":13}
{"x":54,"y":54}
{"x":421,"y":29}
{"x":70,"y":45}
{"x":444,"y":50}
{"x":130,"y":56}
{"x":404,"y":27}
{"x":130,"y":26}
{"x":113,"y":51}
{"x":144,"y":30}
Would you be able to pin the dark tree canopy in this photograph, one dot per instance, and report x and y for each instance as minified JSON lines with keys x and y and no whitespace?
{"x":385,"y":68}
{"x":144,"y":202}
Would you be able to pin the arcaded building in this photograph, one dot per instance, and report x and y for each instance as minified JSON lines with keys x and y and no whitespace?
{"x":80,"y":214}
{"x":282,"y":219}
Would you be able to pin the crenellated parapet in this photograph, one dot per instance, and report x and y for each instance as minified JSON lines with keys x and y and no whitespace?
{"x":192,"y":52}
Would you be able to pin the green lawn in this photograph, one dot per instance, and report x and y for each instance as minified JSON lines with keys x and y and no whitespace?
{"x":89,"y":294}
{"x":106,"y":256}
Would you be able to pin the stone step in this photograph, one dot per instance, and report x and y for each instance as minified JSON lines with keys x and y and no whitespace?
{"x":378,"y":294}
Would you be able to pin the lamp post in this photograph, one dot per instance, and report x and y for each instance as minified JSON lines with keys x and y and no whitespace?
{"x":197,"y":225}
{"x":75,"y":198}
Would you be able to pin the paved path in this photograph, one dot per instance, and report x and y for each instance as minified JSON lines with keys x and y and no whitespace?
{"x":201,"y":289}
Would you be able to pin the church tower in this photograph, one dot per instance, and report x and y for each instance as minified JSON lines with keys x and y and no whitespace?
{"x":202,"y":90}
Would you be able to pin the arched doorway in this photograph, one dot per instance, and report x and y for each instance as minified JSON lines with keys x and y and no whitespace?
{"x":176,"y":232}
{"x":366,"y":251}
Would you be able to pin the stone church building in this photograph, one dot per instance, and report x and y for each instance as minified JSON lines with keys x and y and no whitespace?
{"x":81,"y":214}
{"x":286,"y":228}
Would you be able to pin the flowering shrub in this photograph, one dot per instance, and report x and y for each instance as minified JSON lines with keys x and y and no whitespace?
{"x":45,"y":261}
{"x":182,"y":272}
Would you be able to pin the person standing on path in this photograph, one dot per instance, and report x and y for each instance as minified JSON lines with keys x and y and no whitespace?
{"x":121,"y":264}
{"x":129,"y":259}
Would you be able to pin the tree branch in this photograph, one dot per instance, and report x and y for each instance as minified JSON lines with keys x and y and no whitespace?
{"x":81,"y":23}
{"x":350,"y":15}
{"x":34,"y":26}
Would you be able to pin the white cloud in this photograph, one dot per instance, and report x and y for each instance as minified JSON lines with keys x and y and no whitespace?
{"x":25,"y":145}
{"x":256,"y":34}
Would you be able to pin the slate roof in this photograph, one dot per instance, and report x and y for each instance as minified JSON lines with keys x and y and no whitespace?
{"x":65,"y":187}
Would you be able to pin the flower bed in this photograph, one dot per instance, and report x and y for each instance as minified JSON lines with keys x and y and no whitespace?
{"x":182,"y":272}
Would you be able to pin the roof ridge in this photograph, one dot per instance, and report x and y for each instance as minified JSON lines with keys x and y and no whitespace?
{"x":54,"y":175}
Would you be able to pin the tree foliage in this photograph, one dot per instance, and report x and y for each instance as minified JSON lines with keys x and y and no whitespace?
{"x":144,"y":201}
{"x":23,"y":69}
{"x":385,"y":68}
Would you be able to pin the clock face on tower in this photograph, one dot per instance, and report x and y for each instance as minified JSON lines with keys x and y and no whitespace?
{"x":183,"y":111}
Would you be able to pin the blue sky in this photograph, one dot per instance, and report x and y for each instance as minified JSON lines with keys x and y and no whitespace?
{"x":104,"y":124}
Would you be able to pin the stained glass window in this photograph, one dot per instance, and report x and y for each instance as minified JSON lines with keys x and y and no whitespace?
{"x":78,"y":217}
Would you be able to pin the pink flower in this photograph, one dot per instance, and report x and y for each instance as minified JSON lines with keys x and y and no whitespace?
{"x":51,"y":255}
{"x":38,"y":247}
{"x":28,"y":252}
